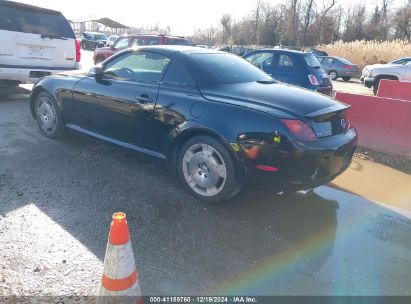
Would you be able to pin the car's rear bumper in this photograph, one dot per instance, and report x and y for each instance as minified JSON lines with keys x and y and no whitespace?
{"x":31,"y":74}
{"x":325,"y":90}
{"x":302,"y":165}
{"x":349,"y":73}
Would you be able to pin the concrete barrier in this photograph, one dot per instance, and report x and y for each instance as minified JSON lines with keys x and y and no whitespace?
{"x":394,"y":89}
{"x":383,"y":124}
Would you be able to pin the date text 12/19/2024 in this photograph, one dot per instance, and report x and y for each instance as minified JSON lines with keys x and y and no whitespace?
{"x":204,"y":299}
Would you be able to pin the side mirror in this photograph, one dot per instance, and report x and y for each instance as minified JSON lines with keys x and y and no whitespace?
{"x":96,"y":71}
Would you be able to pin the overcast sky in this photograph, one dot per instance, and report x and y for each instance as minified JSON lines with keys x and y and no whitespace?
{"x":183,"y":16}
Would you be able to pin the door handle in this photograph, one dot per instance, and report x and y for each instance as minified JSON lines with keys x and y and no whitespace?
{"x":144,"y":98}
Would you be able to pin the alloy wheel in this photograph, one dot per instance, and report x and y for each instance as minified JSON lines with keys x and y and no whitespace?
{"x":46,"y":115}
{"x":204,"y":169}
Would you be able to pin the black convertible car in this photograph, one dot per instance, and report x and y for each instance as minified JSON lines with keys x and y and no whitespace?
{"x":215,"y":118}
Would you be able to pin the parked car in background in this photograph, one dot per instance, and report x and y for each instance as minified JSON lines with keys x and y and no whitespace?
{"x":372,"y":74}
{"x":35,"y":42}
{"x":217,"y":120}
{"x":338,"y":67}
{"x":293,"y":67}
{"x":318,"y":52}
{"x":111,"y":40}
{"x":79,"y":37}
{"x":125,"y":42}
{"x":92,"y":40}
{"x":404,"y":60}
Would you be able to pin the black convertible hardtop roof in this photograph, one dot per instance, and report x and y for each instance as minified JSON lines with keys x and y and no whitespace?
{"x":168,"y":50}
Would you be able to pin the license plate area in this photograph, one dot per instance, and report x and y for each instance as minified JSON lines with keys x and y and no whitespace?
{"x":323,"y":129}
{"x":28,"y":50}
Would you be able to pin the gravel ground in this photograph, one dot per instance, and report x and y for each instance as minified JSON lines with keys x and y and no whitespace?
{"x":402,"y":164}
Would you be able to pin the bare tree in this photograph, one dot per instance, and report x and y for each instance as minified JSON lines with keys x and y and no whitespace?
{"x":402,"y":21}
{"x":307,"y":18}
{"x":327,"y":7}
{"x":257,"y":21}
{"x":226,"y":23}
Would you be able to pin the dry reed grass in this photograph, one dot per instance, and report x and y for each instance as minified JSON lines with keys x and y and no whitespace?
{"x":364,"y":52}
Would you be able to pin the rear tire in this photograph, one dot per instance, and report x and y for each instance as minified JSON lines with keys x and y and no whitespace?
{"x":48,"y":116}
{"x":207,"y":171}
{"x":346,"y":79}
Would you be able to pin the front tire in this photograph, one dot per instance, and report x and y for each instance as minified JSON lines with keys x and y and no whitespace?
{"x":206,"y":169}
{"x":48,"y":116}
{"x":346,"y":78}
{"x":333,"y":75}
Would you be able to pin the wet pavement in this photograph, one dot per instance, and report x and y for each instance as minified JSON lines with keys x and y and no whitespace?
{"x":352,"y":237}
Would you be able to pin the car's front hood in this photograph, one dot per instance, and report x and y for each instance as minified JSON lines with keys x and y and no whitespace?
{"x":73,"y":73}
{"x":274,"y":98}
{"x":382,"y":65}
{"x":106,"y":48}
{"x":390,"y":68}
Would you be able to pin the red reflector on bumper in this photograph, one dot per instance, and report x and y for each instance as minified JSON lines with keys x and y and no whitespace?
{"x":267,"y":168}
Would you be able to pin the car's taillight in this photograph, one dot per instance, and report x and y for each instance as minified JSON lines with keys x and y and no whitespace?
{"x":313,"y":79}
{"x":78,"y":51}
{"x":299,"y":129}
{"x":345,"y":122}
{"x":347,"y":67}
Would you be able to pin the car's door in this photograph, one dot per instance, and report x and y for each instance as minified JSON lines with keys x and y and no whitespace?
{"x":178,"y":101}
{"x":263,"y":60}
{"x":327,"y":64}
{"x":289,"y":68}
{"x":119,"y":104}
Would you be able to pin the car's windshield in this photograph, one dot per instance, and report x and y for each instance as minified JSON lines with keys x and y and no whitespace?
{"x":100,"y":36}
{"x":223,"y":68}
{"x":312,"y":61}
{"x":402,"y":61}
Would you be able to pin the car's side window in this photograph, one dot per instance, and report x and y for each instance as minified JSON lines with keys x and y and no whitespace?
{"x":137,"y":42}
{"x":121,"y":44}
{"x":285,"y":61}
{"x":288,"y":63}
{"x":137,"y":66}
{"x":330,"y":60}
{"x":153,"y":41}
{"x":177,"y":75}
{"x":261,"y":59}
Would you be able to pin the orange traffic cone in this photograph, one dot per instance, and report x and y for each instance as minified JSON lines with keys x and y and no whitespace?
{"x":119,"y":283}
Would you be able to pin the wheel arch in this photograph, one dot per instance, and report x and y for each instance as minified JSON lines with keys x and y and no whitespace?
{"x":186,"y":135}
{"x":386,"y":76}
{"x":34,"y":93}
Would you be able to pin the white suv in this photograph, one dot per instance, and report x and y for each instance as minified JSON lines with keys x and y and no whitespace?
{"x":396,"y":70}
{"x":35,"y":42}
